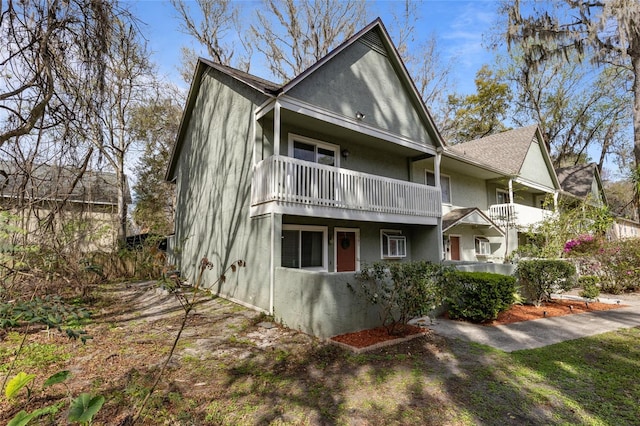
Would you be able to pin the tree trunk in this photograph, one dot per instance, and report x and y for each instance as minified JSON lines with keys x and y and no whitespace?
{"x":635,"y":62}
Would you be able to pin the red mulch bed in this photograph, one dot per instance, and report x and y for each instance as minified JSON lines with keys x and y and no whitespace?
{"x":364,"y":338}
{"x":517,"y":313}
{"x":555,"y":308}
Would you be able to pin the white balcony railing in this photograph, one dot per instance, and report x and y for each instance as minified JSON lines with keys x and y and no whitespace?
{"x":288,"y":180}
{"x":517,"y":215}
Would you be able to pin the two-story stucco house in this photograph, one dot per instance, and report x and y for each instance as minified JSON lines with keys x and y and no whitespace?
{"x":307,"y":182}
{"x":493,"y":190}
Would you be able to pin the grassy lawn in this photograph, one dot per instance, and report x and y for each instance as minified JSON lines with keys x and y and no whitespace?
{"x":224,"y":374}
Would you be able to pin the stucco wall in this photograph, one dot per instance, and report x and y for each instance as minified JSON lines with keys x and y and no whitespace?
{"x":213,"y":185}
{"x":363,"y":79}
{"x":421,"y":240}
{"x":363,"y":157}
{"x":535,"y":168}
{"x":321,"y":303}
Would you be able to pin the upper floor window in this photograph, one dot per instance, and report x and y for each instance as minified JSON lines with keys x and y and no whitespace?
{"x":445,"y":185}
{"x":502,"y":197}
{"x":312,"y":150}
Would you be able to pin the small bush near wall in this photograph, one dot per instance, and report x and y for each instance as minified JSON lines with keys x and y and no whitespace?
{"x":589,"y":285}
{"x":539,"y":278}
{"x":479,"y":296}
{"x":402,"y":291}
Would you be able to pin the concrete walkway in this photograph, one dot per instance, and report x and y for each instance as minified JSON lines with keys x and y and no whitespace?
{"x":545,"y":331}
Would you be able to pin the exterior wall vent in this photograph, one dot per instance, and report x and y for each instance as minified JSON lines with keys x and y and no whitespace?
{"x":373,"y":41}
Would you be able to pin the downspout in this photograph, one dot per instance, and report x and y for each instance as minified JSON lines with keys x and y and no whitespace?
{"x":272,"y":268}
{"x":436,"y":173}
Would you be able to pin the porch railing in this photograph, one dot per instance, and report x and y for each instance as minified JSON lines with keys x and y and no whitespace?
{"x":517,"y":215}
{"x":288,"y":180}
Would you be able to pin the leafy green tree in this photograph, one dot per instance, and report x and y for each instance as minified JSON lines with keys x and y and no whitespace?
{"x":581,"y":110}
{"x":604,"y":32}
{"x":479,"y":114}
{"x":156,"y":124}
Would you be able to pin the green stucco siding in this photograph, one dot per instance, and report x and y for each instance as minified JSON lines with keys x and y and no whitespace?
{"x":535,"y":169}
{"x":363,"y":79}
{"x":213,"y":193}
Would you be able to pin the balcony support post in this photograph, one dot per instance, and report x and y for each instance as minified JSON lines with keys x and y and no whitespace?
{"x":276,"y":129}
{"x":510,"y":191}
{"x":436,"y":171}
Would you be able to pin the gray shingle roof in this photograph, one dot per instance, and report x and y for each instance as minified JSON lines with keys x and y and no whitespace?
{"x":261,"y":84}
{"x":53,"y":183}
{"x":506,"y":150}
{"x":577,"y":180}
{"x":453,"y":217}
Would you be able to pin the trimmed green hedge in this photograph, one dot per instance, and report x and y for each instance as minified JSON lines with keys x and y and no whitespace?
{"x":589,"y":284}
{"x":479,"y":296}
{"x":538,"y":278}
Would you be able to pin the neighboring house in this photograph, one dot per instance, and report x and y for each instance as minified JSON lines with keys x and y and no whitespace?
{"x":624,"y":228}
{"x":307,"y":182}
{"x":510,"y":178}
{"x":583,"y":182}
{"x":50,"y":202}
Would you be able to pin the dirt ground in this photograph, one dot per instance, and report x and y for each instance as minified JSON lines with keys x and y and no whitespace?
{"x":231,"y":366}
{"x":132,"y":330}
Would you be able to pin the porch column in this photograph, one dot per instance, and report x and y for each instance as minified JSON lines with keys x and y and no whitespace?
{"x":436,"y":173}
{"x":510,"y":191}
{"x":555,"y":201}
{"x":276,"y":129}
{"x":436,"y":168}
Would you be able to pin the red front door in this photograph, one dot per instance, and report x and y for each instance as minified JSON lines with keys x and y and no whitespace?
{"x":454,"y":246}
{"x":346,"y":251}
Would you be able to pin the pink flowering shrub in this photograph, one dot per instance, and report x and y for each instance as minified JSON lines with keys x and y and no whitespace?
{"x":583,"y":244}
{"x":620,"y":266}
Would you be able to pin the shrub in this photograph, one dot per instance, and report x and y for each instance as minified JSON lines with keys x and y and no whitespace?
{"x":402,"y":290}
{"x":620,"y":262}
{"x":479,"y":296}
{"x":589,"y":284}
{"x":539,"y":278}
{"x":582,"y":245}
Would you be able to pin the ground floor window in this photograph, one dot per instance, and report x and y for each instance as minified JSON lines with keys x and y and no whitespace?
{"x":393,"y":243}
{"x":304,"y":246}
{"x":483,"y":247}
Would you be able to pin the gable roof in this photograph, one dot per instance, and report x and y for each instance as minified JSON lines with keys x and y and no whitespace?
{"x":274,"y":90}
{"x":54,"y":183}
{"x":507,"y":149}
{"x":397,"y":63}
{"x":470,"y":215}
{"x":578,"y":180}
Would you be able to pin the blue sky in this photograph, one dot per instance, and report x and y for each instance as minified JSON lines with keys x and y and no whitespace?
{"x":458,"y":25}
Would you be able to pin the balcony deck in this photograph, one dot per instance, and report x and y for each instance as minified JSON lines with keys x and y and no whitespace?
{"x":518,"y":215}
{"x":290,"y":186}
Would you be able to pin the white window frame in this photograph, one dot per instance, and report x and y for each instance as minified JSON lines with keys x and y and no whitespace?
{"x":442,"y":177}
{"x":484,"y":242}
{"x":392,"y":234}
{"x":317,"y":143}
{"x":325,"y":244}
{"x":335,"y":245}
{"x":503,"y":191}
